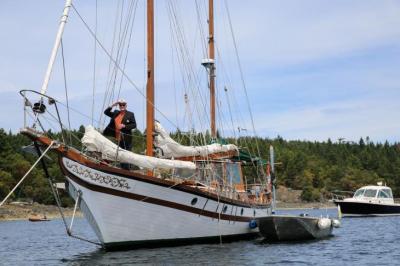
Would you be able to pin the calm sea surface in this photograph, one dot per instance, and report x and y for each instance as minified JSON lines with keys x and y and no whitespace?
{"x":360,"y":241}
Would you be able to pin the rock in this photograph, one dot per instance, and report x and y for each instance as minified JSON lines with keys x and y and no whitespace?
{"x":284,"y":194}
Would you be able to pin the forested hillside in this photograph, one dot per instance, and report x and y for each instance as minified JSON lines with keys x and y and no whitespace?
{"x":318,"y":168}
{"x":315,"y":167}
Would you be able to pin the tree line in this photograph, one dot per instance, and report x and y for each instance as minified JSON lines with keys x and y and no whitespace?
{"x":316,"y":168}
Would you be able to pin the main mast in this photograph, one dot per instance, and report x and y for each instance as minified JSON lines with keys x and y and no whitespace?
{"x":150,"y":78}
{"x":211,"y":54}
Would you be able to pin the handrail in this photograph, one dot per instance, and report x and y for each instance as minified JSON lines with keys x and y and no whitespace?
{"x":51,"y":101}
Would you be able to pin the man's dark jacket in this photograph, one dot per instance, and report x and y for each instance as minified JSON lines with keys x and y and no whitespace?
{"x":128,"y":120}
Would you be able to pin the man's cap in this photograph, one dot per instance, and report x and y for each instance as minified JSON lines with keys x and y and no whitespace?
{"x":121,"y":101}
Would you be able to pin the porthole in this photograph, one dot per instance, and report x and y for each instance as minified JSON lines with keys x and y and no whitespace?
{"x":194,"y":201}
{"x":241,"y":212}
{"x":224,"y":209}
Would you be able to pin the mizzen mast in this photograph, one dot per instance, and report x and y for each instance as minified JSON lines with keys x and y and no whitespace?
{"x":150,"y":79}
{"x":211,"y":54}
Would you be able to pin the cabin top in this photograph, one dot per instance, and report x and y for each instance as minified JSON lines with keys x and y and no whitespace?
{"x":374,"y":192}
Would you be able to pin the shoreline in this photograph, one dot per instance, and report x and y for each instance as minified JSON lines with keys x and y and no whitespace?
{"x":22,"y":211}
{"x":304,"y":205}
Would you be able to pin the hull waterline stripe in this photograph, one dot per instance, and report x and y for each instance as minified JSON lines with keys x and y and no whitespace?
{"x":117,"y":246}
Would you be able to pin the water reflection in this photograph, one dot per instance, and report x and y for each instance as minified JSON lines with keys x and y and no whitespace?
{"x":359,"y":241}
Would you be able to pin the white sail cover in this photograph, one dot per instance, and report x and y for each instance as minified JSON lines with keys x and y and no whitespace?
{"x":94,"y":141}
{"x":172,"y":149}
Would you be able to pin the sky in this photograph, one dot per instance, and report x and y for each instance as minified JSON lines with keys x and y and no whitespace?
{"x":312,"y":70}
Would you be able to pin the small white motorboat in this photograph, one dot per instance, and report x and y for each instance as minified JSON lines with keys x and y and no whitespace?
{"x":370,"y":201}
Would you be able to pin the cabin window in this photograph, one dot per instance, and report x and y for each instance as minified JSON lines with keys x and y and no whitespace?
{"x":194,"y":201}
{"x":359,"y":193}
{"x":370,"y":193}
{"x":225,"y":209}
{"x":206,"y":172}
{"x":241,"y":212}
{"x":233,"y":173}
{"x":219,"y":170}
{"x":184,"y":173}
{"x":384,"y":194}
{"x":388,"y":192}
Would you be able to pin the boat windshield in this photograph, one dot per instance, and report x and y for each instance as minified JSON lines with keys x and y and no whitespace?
{"x":233,"y":173}
{"x":385,"y":193}
{"x":359,"y":193}
{"x":370,"y":193}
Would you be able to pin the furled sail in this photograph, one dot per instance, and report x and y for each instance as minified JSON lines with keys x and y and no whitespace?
{"x":94,"y":141}
{"x":172,"y":149}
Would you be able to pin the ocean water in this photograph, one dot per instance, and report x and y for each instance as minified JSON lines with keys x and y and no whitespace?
{"x":359,"y":241}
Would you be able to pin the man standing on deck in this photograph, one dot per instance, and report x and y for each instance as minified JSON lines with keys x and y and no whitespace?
{"x":121,"y":124}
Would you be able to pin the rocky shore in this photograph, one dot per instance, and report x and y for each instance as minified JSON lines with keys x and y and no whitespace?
{"x":287,"y":198}
{"x":304,"y":205}
{"x":22,"y":211}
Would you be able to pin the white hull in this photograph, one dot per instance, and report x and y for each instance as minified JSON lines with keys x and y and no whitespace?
{"x":148,"y":212}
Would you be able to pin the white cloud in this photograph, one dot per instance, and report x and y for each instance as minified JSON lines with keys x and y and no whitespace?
{"x":294,"y":32}
{"x":350,"y":119}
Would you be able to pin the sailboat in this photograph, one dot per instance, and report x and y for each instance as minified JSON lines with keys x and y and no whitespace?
{"x":179,"y":195}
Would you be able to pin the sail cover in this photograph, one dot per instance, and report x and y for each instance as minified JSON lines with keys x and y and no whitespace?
{"x":94,"y":141}
{"x":172,"y":149}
